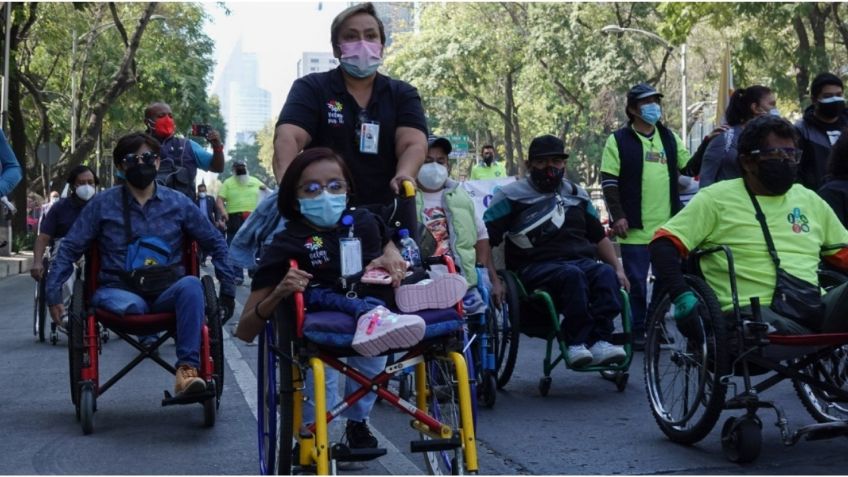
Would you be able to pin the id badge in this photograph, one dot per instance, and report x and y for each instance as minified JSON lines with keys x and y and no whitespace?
{"x":351,"y":252}
{"x":369,"y":138}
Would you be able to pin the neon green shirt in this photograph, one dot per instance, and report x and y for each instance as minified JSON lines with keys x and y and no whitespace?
{"x":801,"y":224}
{"x":483,"y":172}
{"x":240,"y":198}
{"x":656,"y":205}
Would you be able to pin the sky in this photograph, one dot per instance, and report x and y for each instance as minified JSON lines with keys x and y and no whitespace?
{"x":278,"y":32}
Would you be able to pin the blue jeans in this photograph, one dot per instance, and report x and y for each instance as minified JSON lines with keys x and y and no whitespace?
{"x":586,"y":292}
{"x":636,"y":260}
{"x":325,"y":299}
{"x":184,"y":298}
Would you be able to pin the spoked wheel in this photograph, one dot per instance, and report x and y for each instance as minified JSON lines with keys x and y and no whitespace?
{"x":742,"y":439}
{"x":286,"y":386}
{"x":683,"y":377}
{"x":268,"y":419}
{"x":831,"y":369}
{"x":487,"y":389}
{"x":87,"y":408}
{"x":507,"y":330}
{"x":443,"y":404}
{"x":216,"y":339}
{"x":76,"y":328}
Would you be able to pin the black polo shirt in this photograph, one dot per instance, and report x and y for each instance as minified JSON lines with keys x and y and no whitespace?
{"x":320,"y":104}
{"x":61,"y":217}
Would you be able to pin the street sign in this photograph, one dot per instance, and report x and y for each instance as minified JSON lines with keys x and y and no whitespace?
{"x":48,"y":153}
{"x":459,"y":145}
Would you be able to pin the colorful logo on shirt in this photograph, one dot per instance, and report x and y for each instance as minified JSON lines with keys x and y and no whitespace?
{"x":799,"y":221}
{"x":314,"y":243}
{"x":655,"y":156}
{"x":317,"y":255}
{"x":334,"y":112}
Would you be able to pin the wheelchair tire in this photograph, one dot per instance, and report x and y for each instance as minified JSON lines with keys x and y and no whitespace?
{"x":286,"y":387}
{"x":268,"y":420}
{"x":443,"y":405}
{"x":831,"y":369}
{"x":40,"y":312}
{"x":742,"y":439}
{"x":668,"y":354}
{"x":210,"y":409}
{"x":508,"y":330}
{"x":76,"y":329}
{"x":216,"y":334}
{"x":87,"y":408}
{"x":488,"y":389}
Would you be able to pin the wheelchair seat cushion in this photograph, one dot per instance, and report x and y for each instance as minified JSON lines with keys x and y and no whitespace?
{"x":137,"y":324}
{"x":336,"y":329}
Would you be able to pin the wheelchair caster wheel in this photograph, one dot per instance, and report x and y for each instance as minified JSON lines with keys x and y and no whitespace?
{"x":210,"y":408}
{"x":742,"y":439}
{"x":488,"y":389}
{"x":621,"y":381}
{"x":86,"y":409}
{"x":545,"y":385}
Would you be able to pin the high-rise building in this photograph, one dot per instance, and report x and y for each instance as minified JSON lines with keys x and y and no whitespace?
{"x":397,"y":17}
{"x":245,"y":107}
{"x":315,"y":62}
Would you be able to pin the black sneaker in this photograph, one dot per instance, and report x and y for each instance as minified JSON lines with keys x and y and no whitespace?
{"x":359,"y":435}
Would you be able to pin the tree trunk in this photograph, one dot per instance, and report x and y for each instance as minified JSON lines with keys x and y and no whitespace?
{"x":802,"y":59}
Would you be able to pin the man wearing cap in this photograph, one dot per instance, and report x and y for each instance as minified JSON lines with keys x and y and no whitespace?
{"x":554,"y":241}
{"x":819,"y":128}
{"x":639,"y":169}
{"x":490,"y":168}
{"x":448,"y":224}
{"x":237,"y":198}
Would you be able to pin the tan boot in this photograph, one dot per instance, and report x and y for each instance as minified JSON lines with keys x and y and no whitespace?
{"x":188,"y":381}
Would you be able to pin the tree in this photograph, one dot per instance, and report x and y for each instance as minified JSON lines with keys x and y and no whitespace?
{"x":249,"y":153}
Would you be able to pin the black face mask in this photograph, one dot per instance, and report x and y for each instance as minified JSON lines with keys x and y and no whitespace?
{"x":240,"y":171}
{"x":488,"y":159}
{"x":141,"y":176}
{"x":830,"y":110}
{"x":547,"y":179}
{"x":776,"y":175}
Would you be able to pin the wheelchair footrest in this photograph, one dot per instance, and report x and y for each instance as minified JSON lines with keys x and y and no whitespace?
{"x":828,"y":430}
{"x":193,"y":398}
{"x":435,"y":445}
{"x":342,"y":453}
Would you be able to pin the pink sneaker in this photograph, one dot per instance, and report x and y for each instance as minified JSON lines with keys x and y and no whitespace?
{"x":443,"y":291}
{"x":380,"y":330}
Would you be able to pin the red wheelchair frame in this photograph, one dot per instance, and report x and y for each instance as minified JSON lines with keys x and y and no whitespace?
{"x":85,"y":343}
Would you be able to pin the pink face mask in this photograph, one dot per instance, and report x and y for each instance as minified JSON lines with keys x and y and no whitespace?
{"x":361,"y":59}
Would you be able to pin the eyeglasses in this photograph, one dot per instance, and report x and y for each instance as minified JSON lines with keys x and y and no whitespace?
{"x":147,"y":158}
{"x":788,"y":154}
{"x":313,"y":189}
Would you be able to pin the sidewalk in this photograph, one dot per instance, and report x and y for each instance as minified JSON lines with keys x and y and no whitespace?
{"x":16,"y":264}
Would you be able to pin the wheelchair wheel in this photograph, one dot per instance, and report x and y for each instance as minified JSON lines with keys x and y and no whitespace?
{"x":742,"y":439}
{"x":216,"y":338}
{"x":487,"y":389}
{"x":87,"y":408}
{"x":268,"y":419}
{"x":683,"y":377}
{"x":507,"y":330}
{"x":76,"y":328}
{"x":210,"y":408}
{"x":443,"y":404}
{"x":831,"y":369}
{"x":39,"y":313}
{"x":286,"y":388}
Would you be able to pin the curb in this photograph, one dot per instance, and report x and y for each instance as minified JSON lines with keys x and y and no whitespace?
{"x":15,"y":265}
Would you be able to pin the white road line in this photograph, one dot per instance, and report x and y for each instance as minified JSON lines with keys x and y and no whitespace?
{"x":395,"y":462}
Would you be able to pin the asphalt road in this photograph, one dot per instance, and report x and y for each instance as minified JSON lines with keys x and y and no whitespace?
{"x":584,"y":426}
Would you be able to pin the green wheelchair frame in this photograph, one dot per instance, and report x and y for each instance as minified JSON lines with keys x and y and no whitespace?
{"x":540,"y":301}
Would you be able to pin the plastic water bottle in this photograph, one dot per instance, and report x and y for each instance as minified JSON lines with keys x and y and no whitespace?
{"x":409,"y":249}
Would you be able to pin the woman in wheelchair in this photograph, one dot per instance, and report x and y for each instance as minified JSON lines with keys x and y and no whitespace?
{"x":329,"y":240}
{"x":140,"y":229}
{"x":554,"y":239}
{"x":778,"y":232}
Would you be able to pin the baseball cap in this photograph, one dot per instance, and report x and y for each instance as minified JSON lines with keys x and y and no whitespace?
{"x":642,"y":90}
{"x":547,"y":146}
{"x":239,"y":162}
{"x":441,"y":142}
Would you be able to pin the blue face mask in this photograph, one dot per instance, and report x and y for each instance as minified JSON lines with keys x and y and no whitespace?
{"x":325,"y":210}
{"x":650,"y":113}
{"x":120,"y":174}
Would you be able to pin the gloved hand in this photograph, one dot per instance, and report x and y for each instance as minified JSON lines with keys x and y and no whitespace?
{"x":228,"y":303}
{"x":686,"y":315}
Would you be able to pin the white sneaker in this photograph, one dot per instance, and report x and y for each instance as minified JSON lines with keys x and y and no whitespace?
{"x":604,"y":353}
{"x":433,"y":293}
{"x":380,"y":330}
{"x":579,"y":356}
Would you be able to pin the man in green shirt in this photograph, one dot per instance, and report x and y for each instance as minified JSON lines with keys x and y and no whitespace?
{"x":803,"y":228}
{"x":237,"y":198}
{"x":489,"y":168}
{"x":639,"y":169}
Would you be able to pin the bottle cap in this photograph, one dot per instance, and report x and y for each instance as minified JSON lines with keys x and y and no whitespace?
{"x":347,"y":220}
{"x":403,"y":233}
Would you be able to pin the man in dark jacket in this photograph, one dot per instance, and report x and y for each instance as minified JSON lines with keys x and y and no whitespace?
{"x":206,"y":203}
{"x":820,"y":127}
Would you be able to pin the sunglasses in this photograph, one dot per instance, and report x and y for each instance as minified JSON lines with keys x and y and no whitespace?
{"x":147,"y":158}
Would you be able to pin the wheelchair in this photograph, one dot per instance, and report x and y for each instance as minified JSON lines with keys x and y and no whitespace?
{"x":690,"y":382}
{"x":534,"y":315}
{"x":85,"y":343}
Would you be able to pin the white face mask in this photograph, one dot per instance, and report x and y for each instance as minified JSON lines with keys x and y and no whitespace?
{"x":432,"y":175}
{"x":85,"y":192}
{"x":202,"y":195}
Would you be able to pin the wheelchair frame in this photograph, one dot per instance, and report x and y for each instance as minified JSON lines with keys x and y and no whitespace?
{"x":520,"y":302}
{"x":740,"y":348}
{"x":284,"y":348}
{"x":85,"y":344}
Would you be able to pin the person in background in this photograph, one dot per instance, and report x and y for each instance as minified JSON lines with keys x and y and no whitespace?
{"x":10,"y":170}
{"x":835,"y":190}
{"x":490,"y":167}
{"x":237,"y":198}
{"x":819,"y":128}
{"x":210,"y":210}
{"x":720,"y":162}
